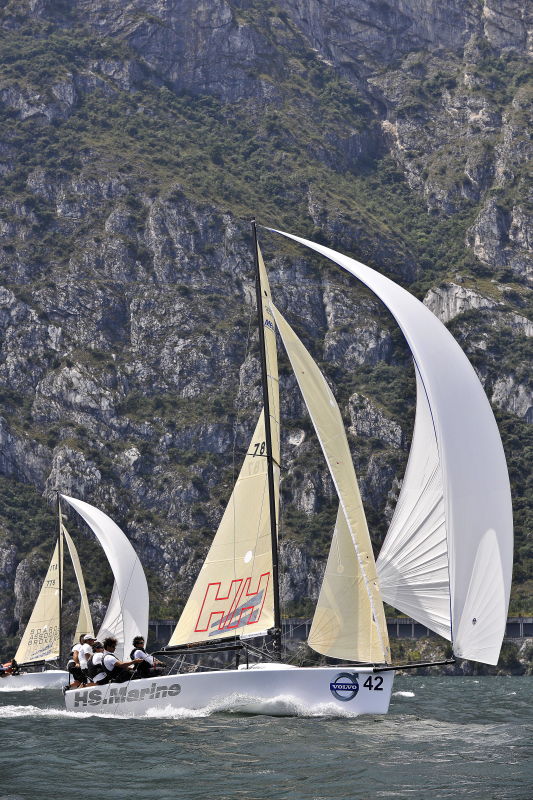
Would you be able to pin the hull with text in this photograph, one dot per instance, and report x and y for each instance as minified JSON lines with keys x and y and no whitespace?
{"x":274,"y":689}
{"x":49,"y":679}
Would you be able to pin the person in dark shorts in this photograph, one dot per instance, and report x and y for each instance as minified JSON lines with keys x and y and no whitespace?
{"x":77,"y":678}
{"x":149,"y":667}
{"x":116,"y":671}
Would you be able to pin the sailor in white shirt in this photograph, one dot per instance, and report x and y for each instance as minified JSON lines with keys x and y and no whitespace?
{"x":96,"y":671}
{"x":85,"y":652}
{"x":148,"y":665}
{"x":74,"y":664}
{"x":116,"y":671}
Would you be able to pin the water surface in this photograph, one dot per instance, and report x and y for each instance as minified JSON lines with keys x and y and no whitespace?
{"x":443,"y":738}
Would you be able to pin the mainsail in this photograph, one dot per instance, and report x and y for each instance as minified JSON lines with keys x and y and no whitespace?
{"x":41,"y":638}
{"x":127,"y":613}
{"x":85,"y":623}
{"x":233,"y":594}
{"x":476,"y":498}
{"x":349,"y":621}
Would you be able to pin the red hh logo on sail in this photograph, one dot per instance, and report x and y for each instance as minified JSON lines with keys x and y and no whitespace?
{"x":227,"y":609}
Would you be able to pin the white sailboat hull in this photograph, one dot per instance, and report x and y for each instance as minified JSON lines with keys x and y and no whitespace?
{"x":49,"y":679}
{"x":273,"y":689}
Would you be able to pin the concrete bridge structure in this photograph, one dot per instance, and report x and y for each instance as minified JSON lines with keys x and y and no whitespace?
{"x":298,"y":628}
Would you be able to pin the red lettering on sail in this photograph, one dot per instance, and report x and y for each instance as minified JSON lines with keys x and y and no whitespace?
{"x":241,"y":604}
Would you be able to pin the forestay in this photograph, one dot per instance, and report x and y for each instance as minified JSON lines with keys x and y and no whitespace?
{"x":475,"y":484}
{"x":127,"y":613}
{"x":40,"y":641}
{"x":233,"y":594}
{"x":349,"y":621}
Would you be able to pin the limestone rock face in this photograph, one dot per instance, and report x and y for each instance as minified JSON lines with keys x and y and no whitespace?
{"x":396,"y":132}
{"x":367,"y":420}
{"x":8,"y":564}
{"x":448,"y":301}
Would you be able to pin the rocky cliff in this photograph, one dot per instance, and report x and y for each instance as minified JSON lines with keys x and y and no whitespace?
{"x":137,"y":140}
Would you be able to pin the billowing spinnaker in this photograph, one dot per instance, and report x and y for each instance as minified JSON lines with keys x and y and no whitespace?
{"x":233,"y":594}
{"x":350,"y":621}
{"x":476,"y":491}
{"x":413,"y":562}
{"x":85,"y":623}
{"x":40,"y":641}
{"x":127,"y":613}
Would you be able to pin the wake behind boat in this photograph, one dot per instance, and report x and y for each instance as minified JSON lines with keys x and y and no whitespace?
{"x":446,"y":559}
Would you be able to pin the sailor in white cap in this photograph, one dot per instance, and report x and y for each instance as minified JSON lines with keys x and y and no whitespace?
{"x":84,"y":652}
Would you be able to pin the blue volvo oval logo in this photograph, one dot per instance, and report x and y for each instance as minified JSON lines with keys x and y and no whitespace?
{"x":345,"y":686}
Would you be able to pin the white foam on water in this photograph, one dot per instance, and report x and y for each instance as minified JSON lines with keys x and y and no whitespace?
{"x":240,"y":704}
{"x":403,"y":694}
{"x":11,"y":689}
{"x":9,"y":712}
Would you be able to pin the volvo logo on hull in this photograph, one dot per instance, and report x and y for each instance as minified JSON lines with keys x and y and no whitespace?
{"x":345,"y":686}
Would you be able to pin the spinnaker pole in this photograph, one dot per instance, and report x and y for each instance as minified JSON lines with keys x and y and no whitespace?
{"x":276,"y":632}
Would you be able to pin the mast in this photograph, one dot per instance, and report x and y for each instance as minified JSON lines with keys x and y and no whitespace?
{"x":60,"y":576}
{"x":276,"y":632}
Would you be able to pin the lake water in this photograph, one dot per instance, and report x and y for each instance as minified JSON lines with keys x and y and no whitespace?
{"x":443,"y":738}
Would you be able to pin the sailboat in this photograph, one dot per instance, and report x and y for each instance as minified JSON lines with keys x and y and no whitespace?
{"x":42,"y":640}
{"x":126,"y":615}
{"x":128,"y":607}
{"x":446,"y":559}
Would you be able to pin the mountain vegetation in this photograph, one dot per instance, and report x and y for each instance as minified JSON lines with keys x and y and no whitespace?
{"x":137,"y":141}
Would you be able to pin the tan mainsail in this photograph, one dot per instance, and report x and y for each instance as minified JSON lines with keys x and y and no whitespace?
{"x":40,"y":640}
{"x":349,"y":621}
{"x":233,"y":594}
{"x":84,"y":624}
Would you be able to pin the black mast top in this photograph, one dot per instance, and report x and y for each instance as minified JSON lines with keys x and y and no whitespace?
{"x":276,"y":632}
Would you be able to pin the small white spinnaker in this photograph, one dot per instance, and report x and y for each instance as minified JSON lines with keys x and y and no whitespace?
{"x":127,"y":613}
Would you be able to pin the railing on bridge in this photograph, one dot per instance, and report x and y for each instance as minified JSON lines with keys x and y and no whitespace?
{"x":298,"y":628}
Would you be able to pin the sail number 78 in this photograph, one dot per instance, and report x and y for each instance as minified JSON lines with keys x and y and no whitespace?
{"x":259,"y":449}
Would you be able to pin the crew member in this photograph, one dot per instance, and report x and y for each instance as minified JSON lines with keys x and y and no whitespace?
{"x":77,"y":678}
{"x":84,"y":652}
{"x":116,"y":671}
{"x":149,"y":666}
{"x":97,"y":673}
{"x":74,"y":664}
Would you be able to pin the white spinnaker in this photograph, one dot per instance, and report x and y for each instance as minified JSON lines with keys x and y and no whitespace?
{"x":476,"y":491}
{"x":233,"y":594}
{"x":349,"y":621}
{"x":85,"y":623}
{"x":40,"y":640}
{"x":413,"y":562}
{"x":127,"y":613}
